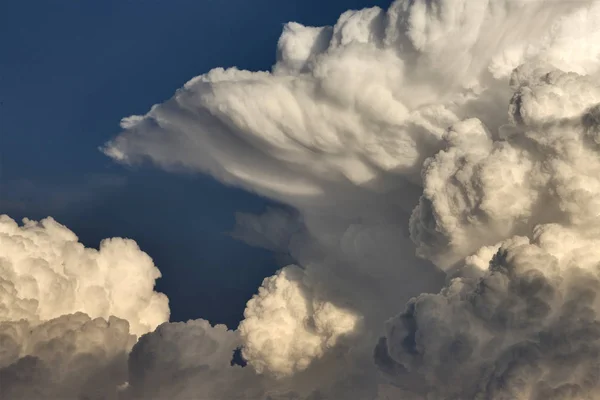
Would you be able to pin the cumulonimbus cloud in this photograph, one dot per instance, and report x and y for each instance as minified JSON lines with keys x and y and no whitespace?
{"x":447,"y":147}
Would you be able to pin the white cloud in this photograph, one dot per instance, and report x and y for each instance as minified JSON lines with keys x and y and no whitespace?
{"x":69,"y":315}
{"x":358,"y":123}
{"x":354,"y":126}
{"x":527,"y":327}
{"x":47,"y":273}
{"x":286,"y":327}
{"x":67,"y":357}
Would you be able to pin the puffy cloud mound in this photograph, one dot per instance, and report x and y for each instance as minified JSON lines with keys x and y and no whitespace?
{"x":286,"y":326}
{"x":526,"y":329}
{"x":186,"y":360}
{"x":524,"y":324}
{"x":68,"y":357}
{"x":542,"y":167}
{"x":47,"y":273}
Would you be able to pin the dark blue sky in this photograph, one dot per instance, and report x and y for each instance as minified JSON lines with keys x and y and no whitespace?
{"x":71,"y":69}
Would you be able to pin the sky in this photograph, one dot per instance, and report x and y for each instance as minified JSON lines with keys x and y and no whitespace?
{"x":70,"y":70}
{"x":420,"y":182}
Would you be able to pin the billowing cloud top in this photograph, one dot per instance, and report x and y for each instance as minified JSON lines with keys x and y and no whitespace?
{"x":439,"y":146}
{"x":356,"y":106}
{"x":70,"y":314}
{"x":47,"y":273}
